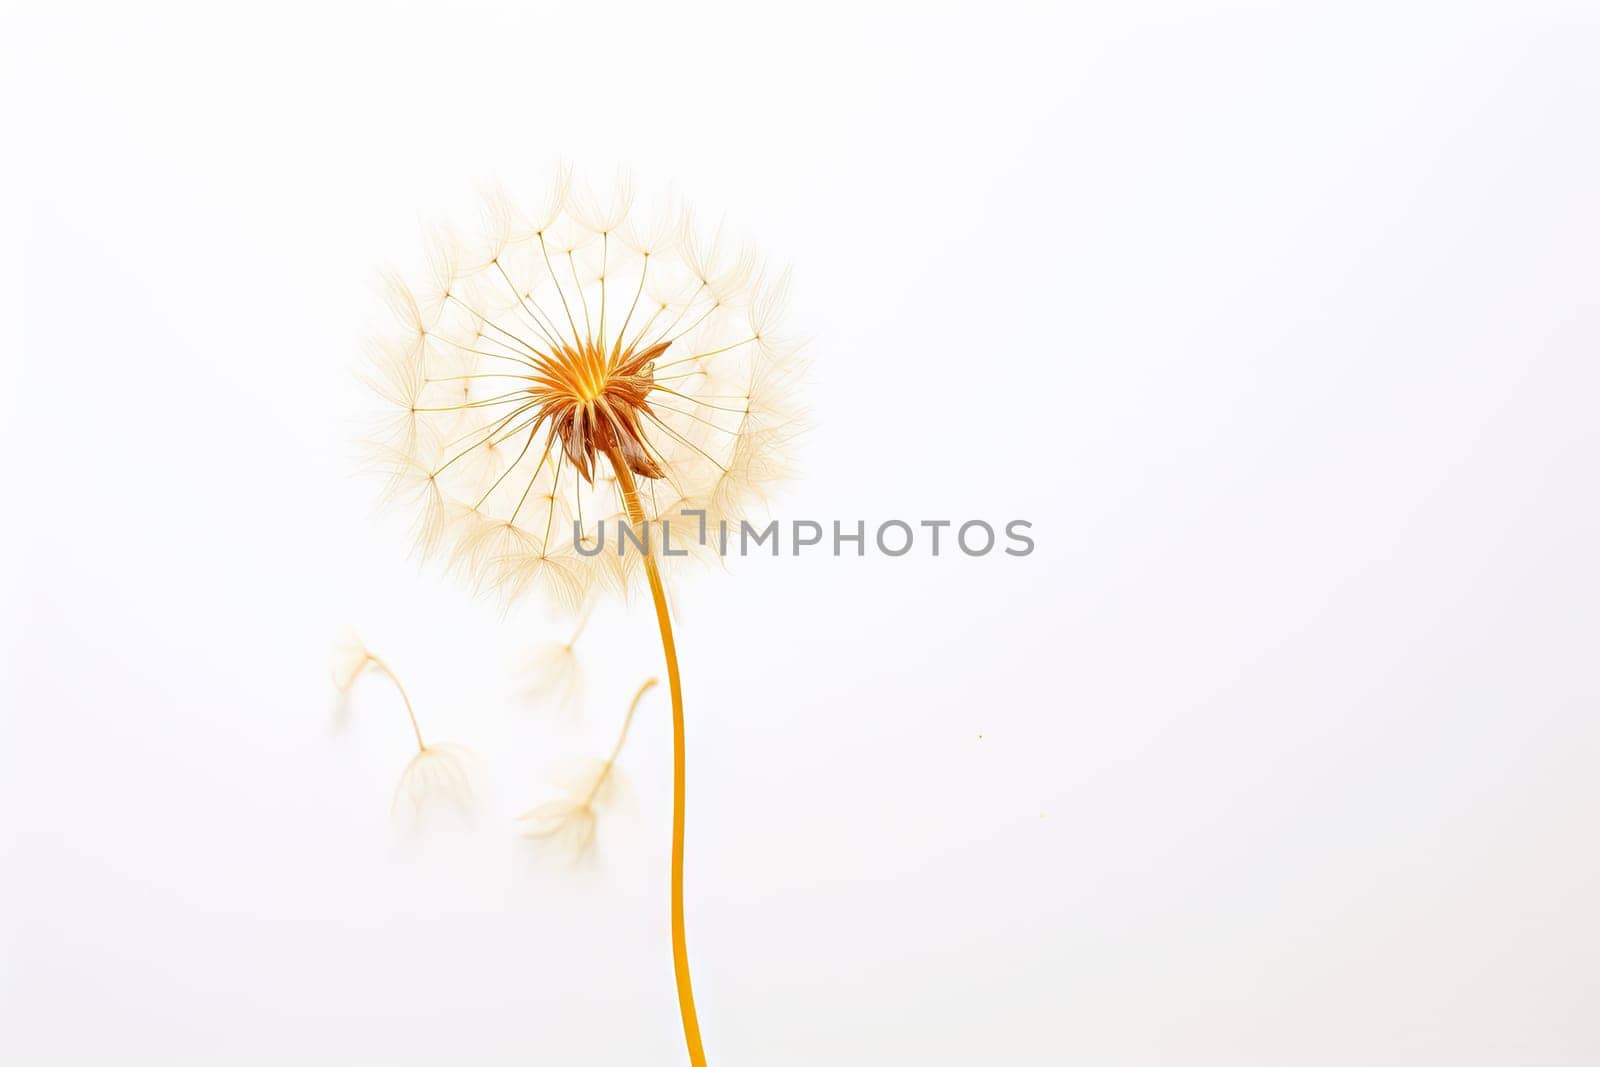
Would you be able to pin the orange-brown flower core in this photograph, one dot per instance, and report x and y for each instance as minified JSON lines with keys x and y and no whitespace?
{"x":596,"y":403}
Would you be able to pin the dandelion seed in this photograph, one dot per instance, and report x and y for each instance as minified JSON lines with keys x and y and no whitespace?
{"x":438,"y":779}
{"x":552,"y":674}
{"x":568,"y":822}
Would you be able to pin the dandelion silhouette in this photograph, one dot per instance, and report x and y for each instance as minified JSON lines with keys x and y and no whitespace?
{"x":587,"y":360}
{"x":568,"y":822}
{"x":438,"y":778}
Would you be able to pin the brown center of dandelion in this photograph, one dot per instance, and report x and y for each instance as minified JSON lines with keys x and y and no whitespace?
{"x":596,"y":403}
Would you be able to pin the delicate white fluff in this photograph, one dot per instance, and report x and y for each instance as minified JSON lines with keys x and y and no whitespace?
{"x":462,"y":447}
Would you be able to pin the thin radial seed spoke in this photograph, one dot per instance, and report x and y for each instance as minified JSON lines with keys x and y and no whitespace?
{"x":524,"y":302}
{"x":532,"y":420}
{"x":682,"y":440}
{"x":690,"y":415}
{"x":572,"y":265}
{"x":514,"y":357}
{"x":540,"y":321}
{"x":673,"y":325}
{"x":707,"y":355}
{"x":642,"y":272}
{"x":514,"y":464}
{"x":560,"y":291}
{"x":503,"y":398}
{"x":533,"y":354}
{"x":697,"y":397}
{"x":605,"y":256}
{"x":466,"y":407}
{"x":550,"y":515}
{"x":543,"y":458}
{"x":644,"y":328}
{"x":535,"y":477}
{"x":698,"y":402}
{"x":555,"y":331}
{"x":523,"y":499}
{"x":691,"y":327}
{"x":497,"y":424}
{"x":472,"y":377}
{"x":488,"y":439}
{"x":696,"y":418}
{"x":475,"y":313}
{"x":553,"y":342}
{"x":499,"y":438}
{"x":527,"y":315}
{"x":577,"y":494}
{"x":479,"y":444}
{"x":493,"y":426}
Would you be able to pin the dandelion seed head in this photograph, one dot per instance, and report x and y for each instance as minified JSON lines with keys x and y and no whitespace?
{"x":578,"y":327}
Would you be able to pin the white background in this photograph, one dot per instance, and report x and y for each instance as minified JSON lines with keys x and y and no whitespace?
{"x":1279,"y":323}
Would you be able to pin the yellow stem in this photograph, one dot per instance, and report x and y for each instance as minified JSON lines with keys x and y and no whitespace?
{"x":680,"y":943}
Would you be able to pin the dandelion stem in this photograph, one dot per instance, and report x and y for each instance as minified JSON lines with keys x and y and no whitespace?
{"x":680,"y":942}
{"x":388,"y":672}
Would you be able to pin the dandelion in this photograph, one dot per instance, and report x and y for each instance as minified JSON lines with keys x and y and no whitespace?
{"x":568,"y":822}
{"x":588,"y":359}
{"x":593,"y":361}
{"x":438,"y":777}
